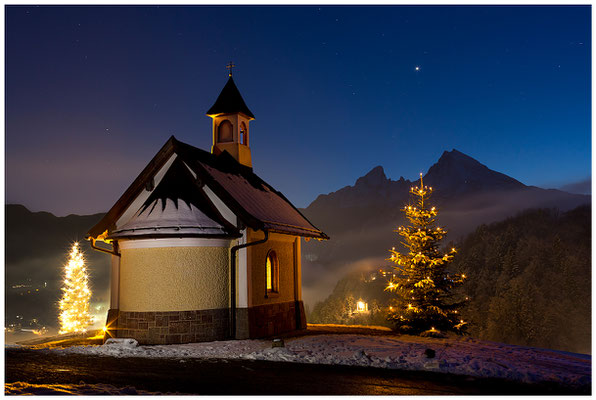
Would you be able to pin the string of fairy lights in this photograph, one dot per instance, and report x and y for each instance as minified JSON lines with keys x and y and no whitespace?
{"x":424,"y":286}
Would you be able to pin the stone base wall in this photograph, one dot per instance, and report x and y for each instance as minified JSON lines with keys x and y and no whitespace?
{"x":273,"y":319}
{"x":171,"y":327}
{"x":174,"y":327}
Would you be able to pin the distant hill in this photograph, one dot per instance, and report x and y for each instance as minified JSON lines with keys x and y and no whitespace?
{"x":37,"y":246}
{"x":581,"y":187}
{"x":360,"y":219}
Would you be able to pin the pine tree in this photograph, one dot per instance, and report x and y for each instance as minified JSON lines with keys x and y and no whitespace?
{"x":423,"y":286}
{"x":74,"y":304}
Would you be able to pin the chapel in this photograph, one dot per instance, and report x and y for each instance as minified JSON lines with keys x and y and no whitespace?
{"x":201,"y":247}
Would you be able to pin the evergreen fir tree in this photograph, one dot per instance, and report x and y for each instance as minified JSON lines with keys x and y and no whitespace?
{"x":423,"y":286}
{"x":74,"y":304}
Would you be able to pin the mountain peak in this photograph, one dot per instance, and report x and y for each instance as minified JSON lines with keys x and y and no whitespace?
{"x":457,"y":156}
{"x":463,"y":173}
{"x":374,"y":177}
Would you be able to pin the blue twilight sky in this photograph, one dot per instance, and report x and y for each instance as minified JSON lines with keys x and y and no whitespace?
{"x":92,"y":93}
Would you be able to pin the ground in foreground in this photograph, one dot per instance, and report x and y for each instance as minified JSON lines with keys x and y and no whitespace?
{"x":322,"y":360}
{"x":51,"y":373}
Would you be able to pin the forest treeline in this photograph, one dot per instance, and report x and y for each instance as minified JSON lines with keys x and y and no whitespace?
{"x":529,"y":283}
{"x":530,"y":279}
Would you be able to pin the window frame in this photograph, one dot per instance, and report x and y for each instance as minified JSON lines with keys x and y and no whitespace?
{"x":243,"y":134}
{"x":273,"y":261}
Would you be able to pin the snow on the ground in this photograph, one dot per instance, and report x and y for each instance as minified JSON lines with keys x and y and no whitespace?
{"x":456,"y":355}
{"x":22,"y":388}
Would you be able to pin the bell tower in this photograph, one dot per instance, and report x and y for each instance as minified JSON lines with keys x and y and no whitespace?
{"x":231,"y":118}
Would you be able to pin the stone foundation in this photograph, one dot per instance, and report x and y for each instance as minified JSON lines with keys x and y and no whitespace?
{"x":172,"y":327}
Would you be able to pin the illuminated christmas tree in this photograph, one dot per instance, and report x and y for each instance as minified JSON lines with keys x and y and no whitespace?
{"x":74,"y":304}
{"x":423,"y":286}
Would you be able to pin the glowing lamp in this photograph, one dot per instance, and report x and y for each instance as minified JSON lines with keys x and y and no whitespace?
{"x":361,"y":306}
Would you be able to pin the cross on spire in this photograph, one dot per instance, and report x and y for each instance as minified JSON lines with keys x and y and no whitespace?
{"x":230,"y":66}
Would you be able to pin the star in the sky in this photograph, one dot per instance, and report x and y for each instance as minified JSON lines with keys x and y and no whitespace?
{"x":417,"y":68}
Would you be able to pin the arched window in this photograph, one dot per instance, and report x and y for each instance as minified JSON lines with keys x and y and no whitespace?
{"x":225,"y":132}
{"x":272,"y":272}
{"x":243,"y":134}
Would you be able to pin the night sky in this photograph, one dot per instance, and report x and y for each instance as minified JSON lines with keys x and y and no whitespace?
{"x":92,"y":93}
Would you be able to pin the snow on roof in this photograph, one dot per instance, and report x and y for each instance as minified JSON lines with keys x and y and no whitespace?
{"x":176,"y":207}
{"x":171,"y":218}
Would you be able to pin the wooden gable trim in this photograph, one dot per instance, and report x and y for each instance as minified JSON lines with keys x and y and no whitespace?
{"x":221,"y":219}
{"x":223,"y":194}
{"x":200,"y":184}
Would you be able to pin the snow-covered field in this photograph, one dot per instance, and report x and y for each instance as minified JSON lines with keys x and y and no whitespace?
{"x":456,"y":355}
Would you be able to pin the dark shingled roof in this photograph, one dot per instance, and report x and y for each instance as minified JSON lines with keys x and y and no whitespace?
{"x":230,"y":101}
{"x":254,"y":202}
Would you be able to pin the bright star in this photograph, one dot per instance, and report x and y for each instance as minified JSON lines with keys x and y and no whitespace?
{"x":417,"y":68}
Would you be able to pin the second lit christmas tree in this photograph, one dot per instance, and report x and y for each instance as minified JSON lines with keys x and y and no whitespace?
{"x":74,"y":304}
{"x":423,"y":287}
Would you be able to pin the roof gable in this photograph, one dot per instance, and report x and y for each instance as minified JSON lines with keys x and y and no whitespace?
{"x":255,"y":203}
{"x":177,"y":206}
